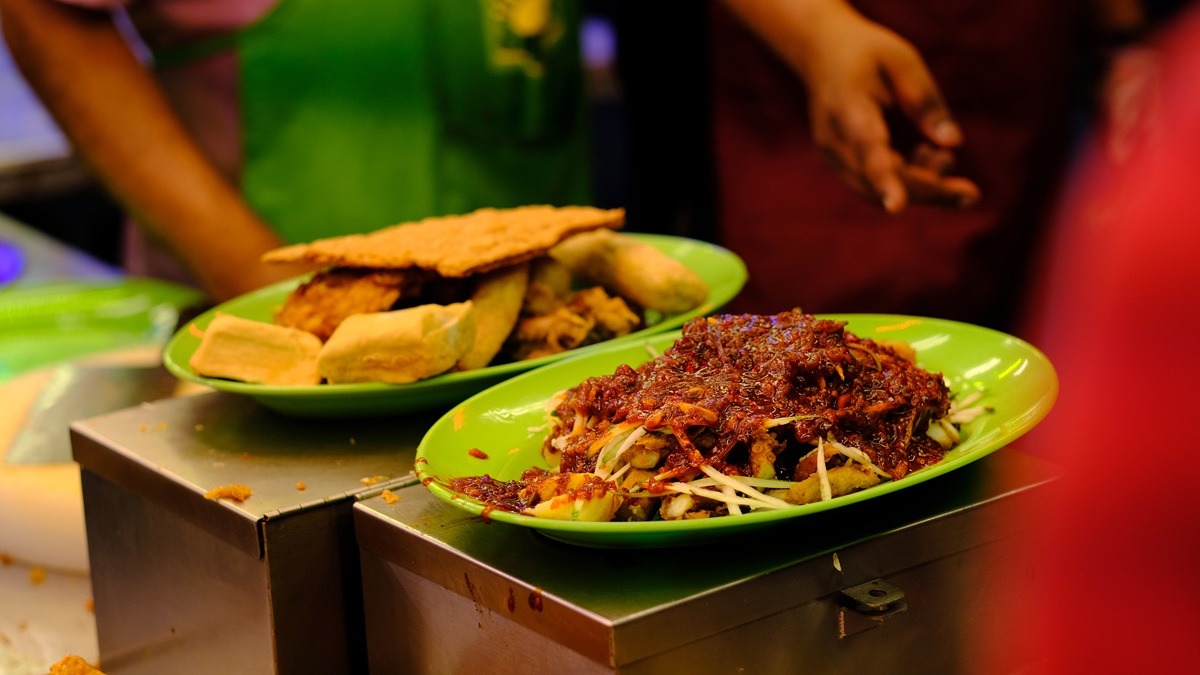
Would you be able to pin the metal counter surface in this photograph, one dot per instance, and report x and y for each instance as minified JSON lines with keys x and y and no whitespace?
{"x":176,"y":450}
{"x":270,"y":583}
{"x":618,"y":608}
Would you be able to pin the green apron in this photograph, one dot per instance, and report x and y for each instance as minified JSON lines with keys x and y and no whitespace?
{"x":363,"y":113}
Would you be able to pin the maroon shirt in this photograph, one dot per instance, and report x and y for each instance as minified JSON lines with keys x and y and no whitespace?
{"x":1008,"y":73}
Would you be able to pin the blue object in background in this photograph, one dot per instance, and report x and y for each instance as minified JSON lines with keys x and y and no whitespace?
{"x":12,"y":262}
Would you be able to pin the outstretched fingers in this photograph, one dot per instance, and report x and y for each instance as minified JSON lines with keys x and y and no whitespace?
{"x":917,"y":94}
{"x":856,"y":144}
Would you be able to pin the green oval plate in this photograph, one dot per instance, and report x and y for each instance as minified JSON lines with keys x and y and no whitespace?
{"x":507,"y":422}
{"x":722,"y":270}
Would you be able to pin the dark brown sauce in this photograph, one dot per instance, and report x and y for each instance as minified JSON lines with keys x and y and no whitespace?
{"x":497,"y":494}
{"x":716,"y":388}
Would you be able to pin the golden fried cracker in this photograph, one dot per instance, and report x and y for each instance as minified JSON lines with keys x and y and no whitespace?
{"x":324,"y":301}
{"x":456,"y":246}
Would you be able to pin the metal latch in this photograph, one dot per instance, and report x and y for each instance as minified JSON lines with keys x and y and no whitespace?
{"x":874,"y":597}
{"x":872,"y":602}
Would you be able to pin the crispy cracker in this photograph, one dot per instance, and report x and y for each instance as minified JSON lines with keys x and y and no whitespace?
{"x":324,"y":301}
{"x":456,"y":246}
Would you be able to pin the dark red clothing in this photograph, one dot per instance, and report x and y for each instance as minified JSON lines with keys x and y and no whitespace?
{"x":1007,"y":71}
{"x":1116,"y":545}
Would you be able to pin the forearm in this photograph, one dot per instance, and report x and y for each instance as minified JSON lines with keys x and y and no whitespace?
{"x":121,"y":124}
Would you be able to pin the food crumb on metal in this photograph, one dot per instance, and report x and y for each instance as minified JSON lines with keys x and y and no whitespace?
{"x":236,"y":492}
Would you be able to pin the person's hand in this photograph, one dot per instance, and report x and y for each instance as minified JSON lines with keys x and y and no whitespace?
{"x":854,"y":70}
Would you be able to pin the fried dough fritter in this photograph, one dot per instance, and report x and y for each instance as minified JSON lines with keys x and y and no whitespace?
{"x":549,"y":286}
{"x":551,"y":333}
{"x":321,"y":304}
{"x":589,"y":316}
{"x":73,"y":664}
{"x":633,"y":269}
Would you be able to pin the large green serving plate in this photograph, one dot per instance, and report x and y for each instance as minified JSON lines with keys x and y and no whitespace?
{"x":722,"y":270}
{"x":507,"y":423}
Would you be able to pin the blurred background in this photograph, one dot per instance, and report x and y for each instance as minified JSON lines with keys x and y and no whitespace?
{"x":652,"y":88}
{"x":665,"y":184}
{"x":651,"y":85}
{"x":41,"y":183}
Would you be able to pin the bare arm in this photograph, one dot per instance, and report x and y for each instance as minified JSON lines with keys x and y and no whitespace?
{"x":120,"y":122}
{"x":853,"y":69}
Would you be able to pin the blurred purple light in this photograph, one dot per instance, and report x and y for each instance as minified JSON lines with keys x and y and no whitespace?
{"x":12,"y":261}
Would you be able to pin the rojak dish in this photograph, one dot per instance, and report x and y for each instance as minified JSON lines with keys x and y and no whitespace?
{"x":741,"y":413}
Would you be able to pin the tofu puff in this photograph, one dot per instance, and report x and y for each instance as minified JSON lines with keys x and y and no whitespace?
{"x":633,"y":270}
{"x":334,"y":295}
{"x":497,"y":298}
{"x":325,"y":300}
{"x":398,"y":347}
{"x":234,"y":348}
